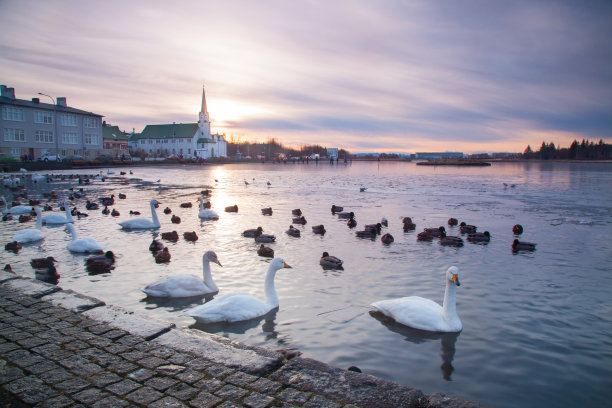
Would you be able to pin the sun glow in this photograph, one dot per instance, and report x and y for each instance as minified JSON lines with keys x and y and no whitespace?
{"x":224,"y":111}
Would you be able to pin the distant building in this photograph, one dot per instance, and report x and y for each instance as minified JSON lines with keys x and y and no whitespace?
{"x":34,"y":127}
{"x":182,"y":139}
{"x":440,"y":155}
{"x":115,"y":142}
{"x":332,"y":152}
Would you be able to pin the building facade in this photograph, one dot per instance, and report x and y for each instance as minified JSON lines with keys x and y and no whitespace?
{"x":32,"y":128}
{"x":188,"y":140}
{"x":114,"y":141}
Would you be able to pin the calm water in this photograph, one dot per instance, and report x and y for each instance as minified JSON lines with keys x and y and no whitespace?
{"x":537,"y":325}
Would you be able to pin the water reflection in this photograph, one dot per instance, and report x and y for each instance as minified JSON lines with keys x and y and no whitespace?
{"x":447,"y":341}
{"x":176,"y":304}
{"x":268,"y":326}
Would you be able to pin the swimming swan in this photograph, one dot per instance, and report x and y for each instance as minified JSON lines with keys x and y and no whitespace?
{"x":206,"y":214}
{"x":59,"y":218}
{"x":18,"y":209}
{"x":236,"y":307}
{"x":425,"y":314}
{"x":87,"y":245}
{"x":143,"y":223}
{"x":185,"y":285}
{"x":31,"y":234}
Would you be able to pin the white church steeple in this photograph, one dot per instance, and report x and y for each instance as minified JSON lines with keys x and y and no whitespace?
{"x":204,"y":123}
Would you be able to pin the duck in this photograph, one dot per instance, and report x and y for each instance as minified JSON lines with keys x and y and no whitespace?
{"x":15,"y":210}
{"x":205,"y":193}
{"x":299,"y":220}
{"x":387,"y":238}
{"x":436,"y":232}
{"x":479,"y":237}
{"x":143,"y":223}
{"x":451,"y":241}
{"x":207,"y":204}
{"x":452,"y":222}
{"x":8,"y":268}
{"x":297,"y":212}
{"x":107,"y":200}
{"x":24,"y":218}
{"x":235,"y":307}
{"x":425,"y":236}
{"x":319,"y":229}
{"x":250,"y":233}
{"x":369,"y":234}
{"x":49,"y":275}
{"x":186,"y":285}
{"x":83,"y":245}
{"x":376,"y":228}
{"x":31,"y":234}
{"x":134,"y":212}
{"x":42,"y":262}
{"x":105,"y":210}
{"x":108,"y":257}
{"x":170,"y":236}
{"x":13,"y":246}
{"x":190,"y":236}
{"x":384,"y":222}
{"x":156,"y":245}
{"x":522,"y":246}
{"x":246,"y":183}
{"x":121,"y":195}
{"x":115,"y":213}
{"x":517,"y":229}
{"x":206,"y":214}
{"x":98,"y":267}
{"x":408,"y":224}
{"x":232,"y":208}
{"x":266,"y":211}
{"x":59,"y":218}
{"x":185,"y":205}
{"x":362,"y":189}
{"x":175,"y":219}
{"x":163,"y":256}
{"x":167,"y":210}
{"x":259,"y":237}
{"x":425,"y":314}
{"x":466,"y":229}
{"x":47,"y":207}
{"x":351,"y":223}
{"x":294,"y":232}
{"x":330,"y":262}
{"x":346,"y":215}
{"x":7,"y":217}
{"x":91,"y":206}
{"x":265,"y":251}
{"x":336,"y":209}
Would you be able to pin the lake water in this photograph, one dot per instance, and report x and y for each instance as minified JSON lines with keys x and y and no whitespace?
{"x":536,"y":326}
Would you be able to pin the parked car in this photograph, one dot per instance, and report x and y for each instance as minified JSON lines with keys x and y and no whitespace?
{"x":123,"y":158}
{"x":103,"y":159}
{"x":74,"y":159}
{"x":50,"y":157}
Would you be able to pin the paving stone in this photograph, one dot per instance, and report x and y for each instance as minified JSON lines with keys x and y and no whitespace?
{"x":70,"y":331}
{"x":116,"y":348}
{"x":160,"y":383}
{"x":90,"y":395}
{"x":7,"y":347}
{"x":99,"y":328}
{"x":229,"y":404}
{"x":168,"y":402}
{"x":180,"y":358}
{"x":231,"y":392}
{"x":123,"y":387}
{"x":72,"y":385}
{"x":22,"y":384}
{"x":170,"y":370}
{"x":142,"y":374}
{"x":76,"y":345}
{"x":23,"y":358}
{"x":130,"y":340}
{"x":55,"y":376}
{"x":240,"y":378}
{"x":36,"y":393}
{"x":42,"y":367}
{"x":257,"y":400}
{"x":199,"y":364}
{"x":100,"y":342}
{"x":144,"y":395}
{"x":294,"y":396}
{"x":265,"y":386}
{"x":133,"y":355}
{"x":57,"y":402}
{"x":8,"y":374}
{"x":319,"y":401}
{"x":87,"y":370}
{"x":219,"y":371}
{"x":103,"y":379}
{"x":123,"y":367}
{"x":190,"y":376}
{"x":152,"y":362}
{"x":31,"y":342}
{"x":114,"y":334}
{"x":182,"y":391}
{"x":204,"y":400}
{"x":84,"y":335}
{"x":209,"y":384}
{"x":110,"y":402}
{"x":163,"y":352}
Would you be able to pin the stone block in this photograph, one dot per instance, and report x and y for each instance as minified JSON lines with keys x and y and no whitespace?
{"x":142,"y":326}
{"x":30,"y":287}
{"x":73,"y":301}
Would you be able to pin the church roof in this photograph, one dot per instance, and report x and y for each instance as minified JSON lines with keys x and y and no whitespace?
{"x":182,"y":130}
{"x":113,"y":132}
{"x":205,"y":140}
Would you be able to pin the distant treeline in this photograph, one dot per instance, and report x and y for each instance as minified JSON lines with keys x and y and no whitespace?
{"x":584,"y":150}
{"x":272,"y":148}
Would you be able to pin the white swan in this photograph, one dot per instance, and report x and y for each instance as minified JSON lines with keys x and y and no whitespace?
{"x":59,"y":218}
{"x":31,"y":234}
{"x":87,"y":245}
{"x":205,"y":213}
{"x":186,"y":285}
{"x":235,"y":307}
{"x":18,"y":209}
{"x":425,"y":314}
{"x":143,"y":223}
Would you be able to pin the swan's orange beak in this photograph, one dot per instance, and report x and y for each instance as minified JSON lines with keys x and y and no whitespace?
{"x":285,"y":265}
{"x":456,"y":279}
{"x":217,"y":262}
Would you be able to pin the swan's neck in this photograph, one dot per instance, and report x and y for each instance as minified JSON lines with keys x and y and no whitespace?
{"x":270,"y":290}
{"x":154,"y":215}
{"x":68,"y":213}
{"x":208,"y":280}
{"x":201,"y":204}
{"x":73,"y":232}
{"x":4,"y":205}
{"x":38,"y":219}
{"x":449,"y":306}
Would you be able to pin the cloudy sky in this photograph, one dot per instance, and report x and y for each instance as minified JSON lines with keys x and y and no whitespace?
{"x":386,"y":76}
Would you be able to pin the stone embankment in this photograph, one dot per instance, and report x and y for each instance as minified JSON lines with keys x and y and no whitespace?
{"x":59,"y":348}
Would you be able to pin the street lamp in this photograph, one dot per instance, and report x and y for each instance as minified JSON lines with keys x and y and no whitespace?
{"x":54,"y":122}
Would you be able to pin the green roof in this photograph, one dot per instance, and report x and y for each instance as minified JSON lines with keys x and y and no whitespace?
{"x":205,"y":140}
{"x":113,"y":132}
{"x":182,"y":130}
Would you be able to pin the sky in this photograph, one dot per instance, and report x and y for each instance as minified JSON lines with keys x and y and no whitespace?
{"x":366,"y":76}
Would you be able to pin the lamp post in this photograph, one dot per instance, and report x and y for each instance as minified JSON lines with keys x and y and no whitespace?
{"x":56,"y":136}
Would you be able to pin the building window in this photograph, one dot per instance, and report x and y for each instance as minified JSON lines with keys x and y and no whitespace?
{"x":69,"y":120}
{"x":91,"y":123}
{"x":157,"y":141}
{"x":44,"y":117}
{"x":188,"y":151}
{"x":142,"y":141}
{"x":150,"y":141}
{"x":10,"y":113}
{"x":64,"y":153}
{"x":43,"y":136}
{"x":91,"y":139}
{"x":14,"y":135}
{"x":69,"y":138}
{"x":16,"y":151}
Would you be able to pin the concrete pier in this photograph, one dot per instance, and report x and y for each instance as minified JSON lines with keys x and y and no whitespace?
{"x":59,"y":348}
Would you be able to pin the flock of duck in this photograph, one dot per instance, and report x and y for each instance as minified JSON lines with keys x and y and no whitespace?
{"x":413,"y":311}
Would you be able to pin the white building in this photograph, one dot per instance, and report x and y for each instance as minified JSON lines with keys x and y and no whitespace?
{"x":182,"y":139}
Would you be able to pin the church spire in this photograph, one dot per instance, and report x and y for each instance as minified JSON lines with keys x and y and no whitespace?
{"x":204,"y":110}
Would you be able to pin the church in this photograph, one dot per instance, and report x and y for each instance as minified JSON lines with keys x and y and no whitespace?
{"x":188,"y":140}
